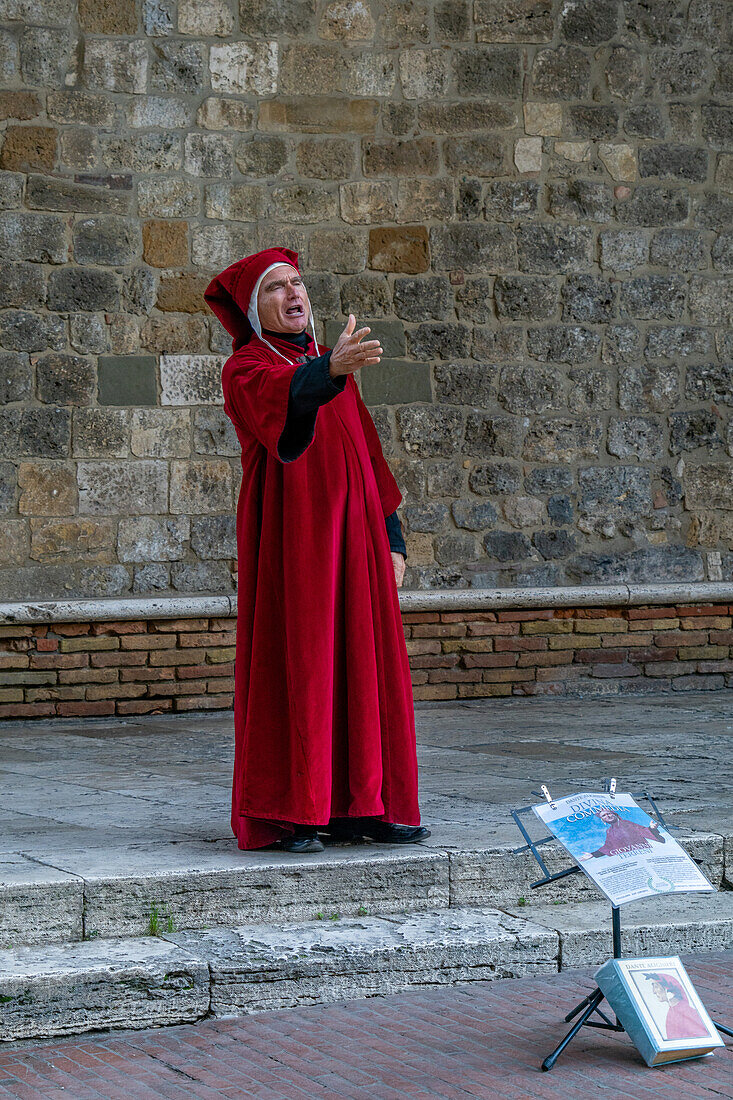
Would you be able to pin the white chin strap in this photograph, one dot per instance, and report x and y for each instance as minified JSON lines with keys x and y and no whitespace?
{"x":254,"y":318}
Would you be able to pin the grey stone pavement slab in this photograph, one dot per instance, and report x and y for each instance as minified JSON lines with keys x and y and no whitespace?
{"x":128,"y":809}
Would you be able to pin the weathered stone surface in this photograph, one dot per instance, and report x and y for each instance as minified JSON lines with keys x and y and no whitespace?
{"x":365,"y":296}
{"x":562,"y":440}
{"x":16,"y":377}
{"x":494,"y":478}
{"x":144,"y":538}
{"x":690,"y":430}
{"x":364,"y":956}
{"x":65,"y":380}
{"x":160,"y":433}
{"x":363,"y":202}
{"x":549,"y":250}
{"x":614,"y":491}
{"x":47,"y":489}
{"x":422,"y":299}
{"x":590,"y":389}
{"x":347,"y":21}
{"x":711,"y":301}
{"x":213,"y":433}
{"x":116,"y":65}
{"x":100,"y":433}
{"x":623,"y":249}
{"x":212,"y":246}
{"x":586,"y":200}
{"x":709,"y":486}
{"x":115,"y":983}
{"x":106,"y":240}
{"x":678,"y":342}
{"x":651,"y":205}
{"x":201,"y":486}
{"x":525,"y":298}
{"x":635,"y":436}
{"x":21,"y":330}
{"x":429,"y":430}
{"x":36,"y":237}
{"x":205,"y":18}
{"x":440,"y":340}
{"x":646,"y":387}
{"x":653,"y":297}
{"x":243,"y":68}
{"x":83,"y":288}
{"x":563,"y":343}
{"x":167,"y":197}
{"x":513,"y":20}
{"x":464,"y":384}
{"x":492,"y":435}
{"x":424,"y":199}
{"x":21,"y":285}
{"x":276,"y":17}
{"x":619,"y":160}
{"x":326,"y":159}
{"x":485,"y":155}
{"x":561,"y":73}
{"x":28,"y":148}
{"x":214,"y":537}
{"x":473,"y":515}
{"x":110,"y":488}
{"x":219,"y":113}
{"x":472,"y":248}
{"x":178,"y":66}
{"x":525,"y":389}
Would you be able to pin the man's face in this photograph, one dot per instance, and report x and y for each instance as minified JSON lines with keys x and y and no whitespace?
{"x":607,"y":817}
{"x":282,"y":302}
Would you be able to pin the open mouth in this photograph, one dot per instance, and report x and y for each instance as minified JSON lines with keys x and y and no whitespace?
{"x":295,"y":311}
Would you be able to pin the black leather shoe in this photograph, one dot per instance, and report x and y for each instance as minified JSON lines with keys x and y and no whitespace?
{"x":302,"y":842}
{"x":384,"y":832}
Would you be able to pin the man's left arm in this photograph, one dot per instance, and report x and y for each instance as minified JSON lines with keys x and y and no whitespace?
{"x":397,"y":546}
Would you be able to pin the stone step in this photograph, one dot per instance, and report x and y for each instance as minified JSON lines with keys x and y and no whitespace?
{"x":112,"y":892}
{"x":72,"y":988}
{"x":183,"y":976}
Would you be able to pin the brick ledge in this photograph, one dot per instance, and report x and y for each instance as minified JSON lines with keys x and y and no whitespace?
{"x":461,"y":599}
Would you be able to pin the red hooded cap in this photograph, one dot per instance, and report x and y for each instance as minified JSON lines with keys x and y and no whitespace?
{"x":229,"y":294}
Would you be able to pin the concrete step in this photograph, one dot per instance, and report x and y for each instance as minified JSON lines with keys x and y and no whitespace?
{"x":183,"y":976}
{"x":80,"y":893}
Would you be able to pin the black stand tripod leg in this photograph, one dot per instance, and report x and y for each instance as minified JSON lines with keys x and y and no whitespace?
{"x":725,"y":1030}
{"x":593,"y":1002}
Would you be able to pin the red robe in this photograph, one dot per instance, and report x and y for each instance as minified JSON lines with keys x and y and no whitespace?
{"x":323,"y":704}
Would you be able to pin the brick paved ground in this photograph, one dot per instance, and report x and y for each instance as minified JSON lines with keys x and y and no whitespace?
{"x":484,"y":1041}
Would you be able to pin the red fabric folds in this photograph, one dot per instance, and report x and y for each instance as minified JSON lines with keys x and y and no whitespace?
{"x":324,"y":718}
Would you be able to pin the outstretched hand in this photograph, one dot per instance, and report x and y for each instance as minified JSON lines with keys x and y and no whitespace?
{"x":350,"y":354}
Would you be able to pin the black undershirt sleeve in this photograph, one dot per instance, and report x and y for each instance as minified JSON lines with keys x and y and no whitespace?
{"x":312,"y":386}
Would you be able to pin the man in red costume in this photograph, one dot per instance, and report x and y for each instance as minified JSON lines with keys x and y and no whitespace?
{"x":324,"y":722}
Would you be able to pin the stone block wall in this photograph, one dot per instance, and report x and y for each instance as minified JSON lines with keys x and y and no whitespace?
{"x":531,"y":201}
{"x":170,"y":665}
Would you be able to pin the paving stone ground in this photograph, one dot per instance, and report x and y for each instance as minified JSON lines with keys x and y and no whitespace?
{"x":483,"y":1041}
{"x":127,"y":794}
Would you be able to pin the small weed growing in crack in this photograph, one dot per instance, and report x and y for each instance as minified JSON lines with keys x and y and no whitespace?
{"x":159,"y":921}
{"x":362,"y":911}
{"x":522,"y":901}
{"x":335,"y":916}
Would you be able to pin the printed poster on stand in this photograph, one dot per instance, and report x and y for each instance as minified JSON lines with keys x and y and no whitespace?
{"x":626,"y":853}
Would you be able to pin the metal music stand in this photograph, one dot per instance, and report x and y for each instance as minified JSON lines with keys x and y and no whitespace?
{"x":590,"y":1005}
